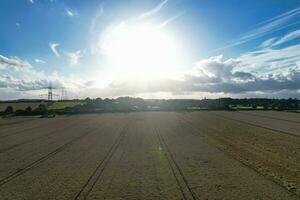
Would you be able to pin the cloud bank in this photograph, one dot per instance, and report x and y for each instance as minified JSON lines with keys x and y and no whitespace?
{"x":213,"y":75}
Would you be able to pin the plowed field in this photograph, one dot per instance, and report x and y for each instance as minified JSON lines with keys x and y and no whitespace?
{"x":152,"y":155}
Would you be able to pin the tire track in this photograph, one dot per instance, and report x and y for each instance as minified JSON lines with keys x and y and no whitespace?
{"x":114,"y":173}
{"x":269,"y":117}
{"x":177,"y":172}
{"x":96,"y":175}
{"x":256,"y":125}
{"x":41,"y":160}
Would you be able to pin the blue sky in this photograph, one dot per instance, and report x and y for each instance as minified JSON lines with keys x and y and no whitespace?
{"x":151,"y":49}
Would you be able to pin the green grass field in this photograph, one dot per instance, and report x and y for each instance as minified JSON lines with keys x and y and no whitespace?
{"x":241,"y":107}
{"x":33,"y":105}
{"x":19,"y":105}
{"x":64,"y":104}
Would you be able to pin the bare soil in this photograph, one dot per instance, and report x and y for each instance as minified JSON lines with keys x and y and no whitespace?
{"x":154,"y":155}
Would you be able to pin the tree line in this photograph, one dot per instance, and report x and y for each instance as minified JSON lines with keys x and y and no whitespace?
{"x":129,"y":104}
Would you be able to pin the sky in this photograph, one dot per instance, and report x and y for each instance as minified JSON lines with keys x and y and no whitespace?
{"x":150,"y":49}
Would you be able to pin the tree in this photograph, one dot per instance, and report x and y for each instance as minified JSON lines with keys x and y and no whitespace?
{"x":28,"y":109}
{"x":266,"y":107}
{"x":41,"y":109}
{"x":9,"y":110}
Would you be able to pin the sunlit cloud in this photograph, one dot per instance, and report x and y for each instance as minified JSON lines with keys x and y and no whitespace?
{"x":31,"y":1}
{"x":74,"y":57}
{"x":94,"y":21}
{"x":139,"y":45}
{"x":169,"y":20}
{"x":139,"y":48}
{"x":213,"y":75}
{"x":53,"y":46}
{"x":154,"y":10}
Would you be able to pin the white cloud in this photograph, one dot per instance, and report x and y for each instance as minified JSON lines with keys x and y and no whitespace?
{"x":132,"y":24}
{"x":31,"y":1}
{"x":74,"y":57}
{"x":94,"y":21}
{"x":18,"y":79}
{"x":71,"y":13}
{"x":288,"y":37}
{"x":166,"y":22}
{"x":264,"y":71}
{"x":53,"y":47}
{"x":135,"y":19}
{"x":269,"y":26}
{"x":281,"y":40}
{"x":267,"y":60}
{"x":214,"y":76}
{"x":154,"y":10}
{"x":39,"y":61}
{"x":268,"y":42}
{"x":12,"y":62}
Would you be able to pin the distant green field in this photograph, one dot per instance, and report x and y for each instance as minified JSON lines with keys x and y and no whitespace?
{"x":20,"y":105}
{"x":64,"y":104}
{"x":247,"y":107}
{"x":33,"y":105}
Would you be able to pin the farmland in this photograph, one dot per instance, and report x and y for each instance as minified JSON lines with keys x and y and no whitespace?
{"x":35,"y":104}
{"x":19,"y":105}
{"x":152,"y":155}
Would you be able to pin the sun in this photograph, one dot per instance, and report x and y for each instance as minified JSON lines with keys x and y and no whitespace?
{"x":140,"y":50}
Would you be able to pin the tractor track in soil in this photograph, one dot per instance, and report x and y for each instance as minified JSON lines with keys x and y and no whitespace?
{"x":30,"y":166}
{"x":96,"y":175}
{"x":176,"y":170}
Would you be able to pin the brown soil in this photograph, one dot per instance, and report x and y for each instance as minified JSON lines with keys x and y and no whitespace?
{"x":155,"y":155}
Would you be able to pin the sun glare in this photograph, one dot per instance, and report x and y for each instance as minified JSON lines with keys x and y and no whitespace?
{"x":140,"y":50}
